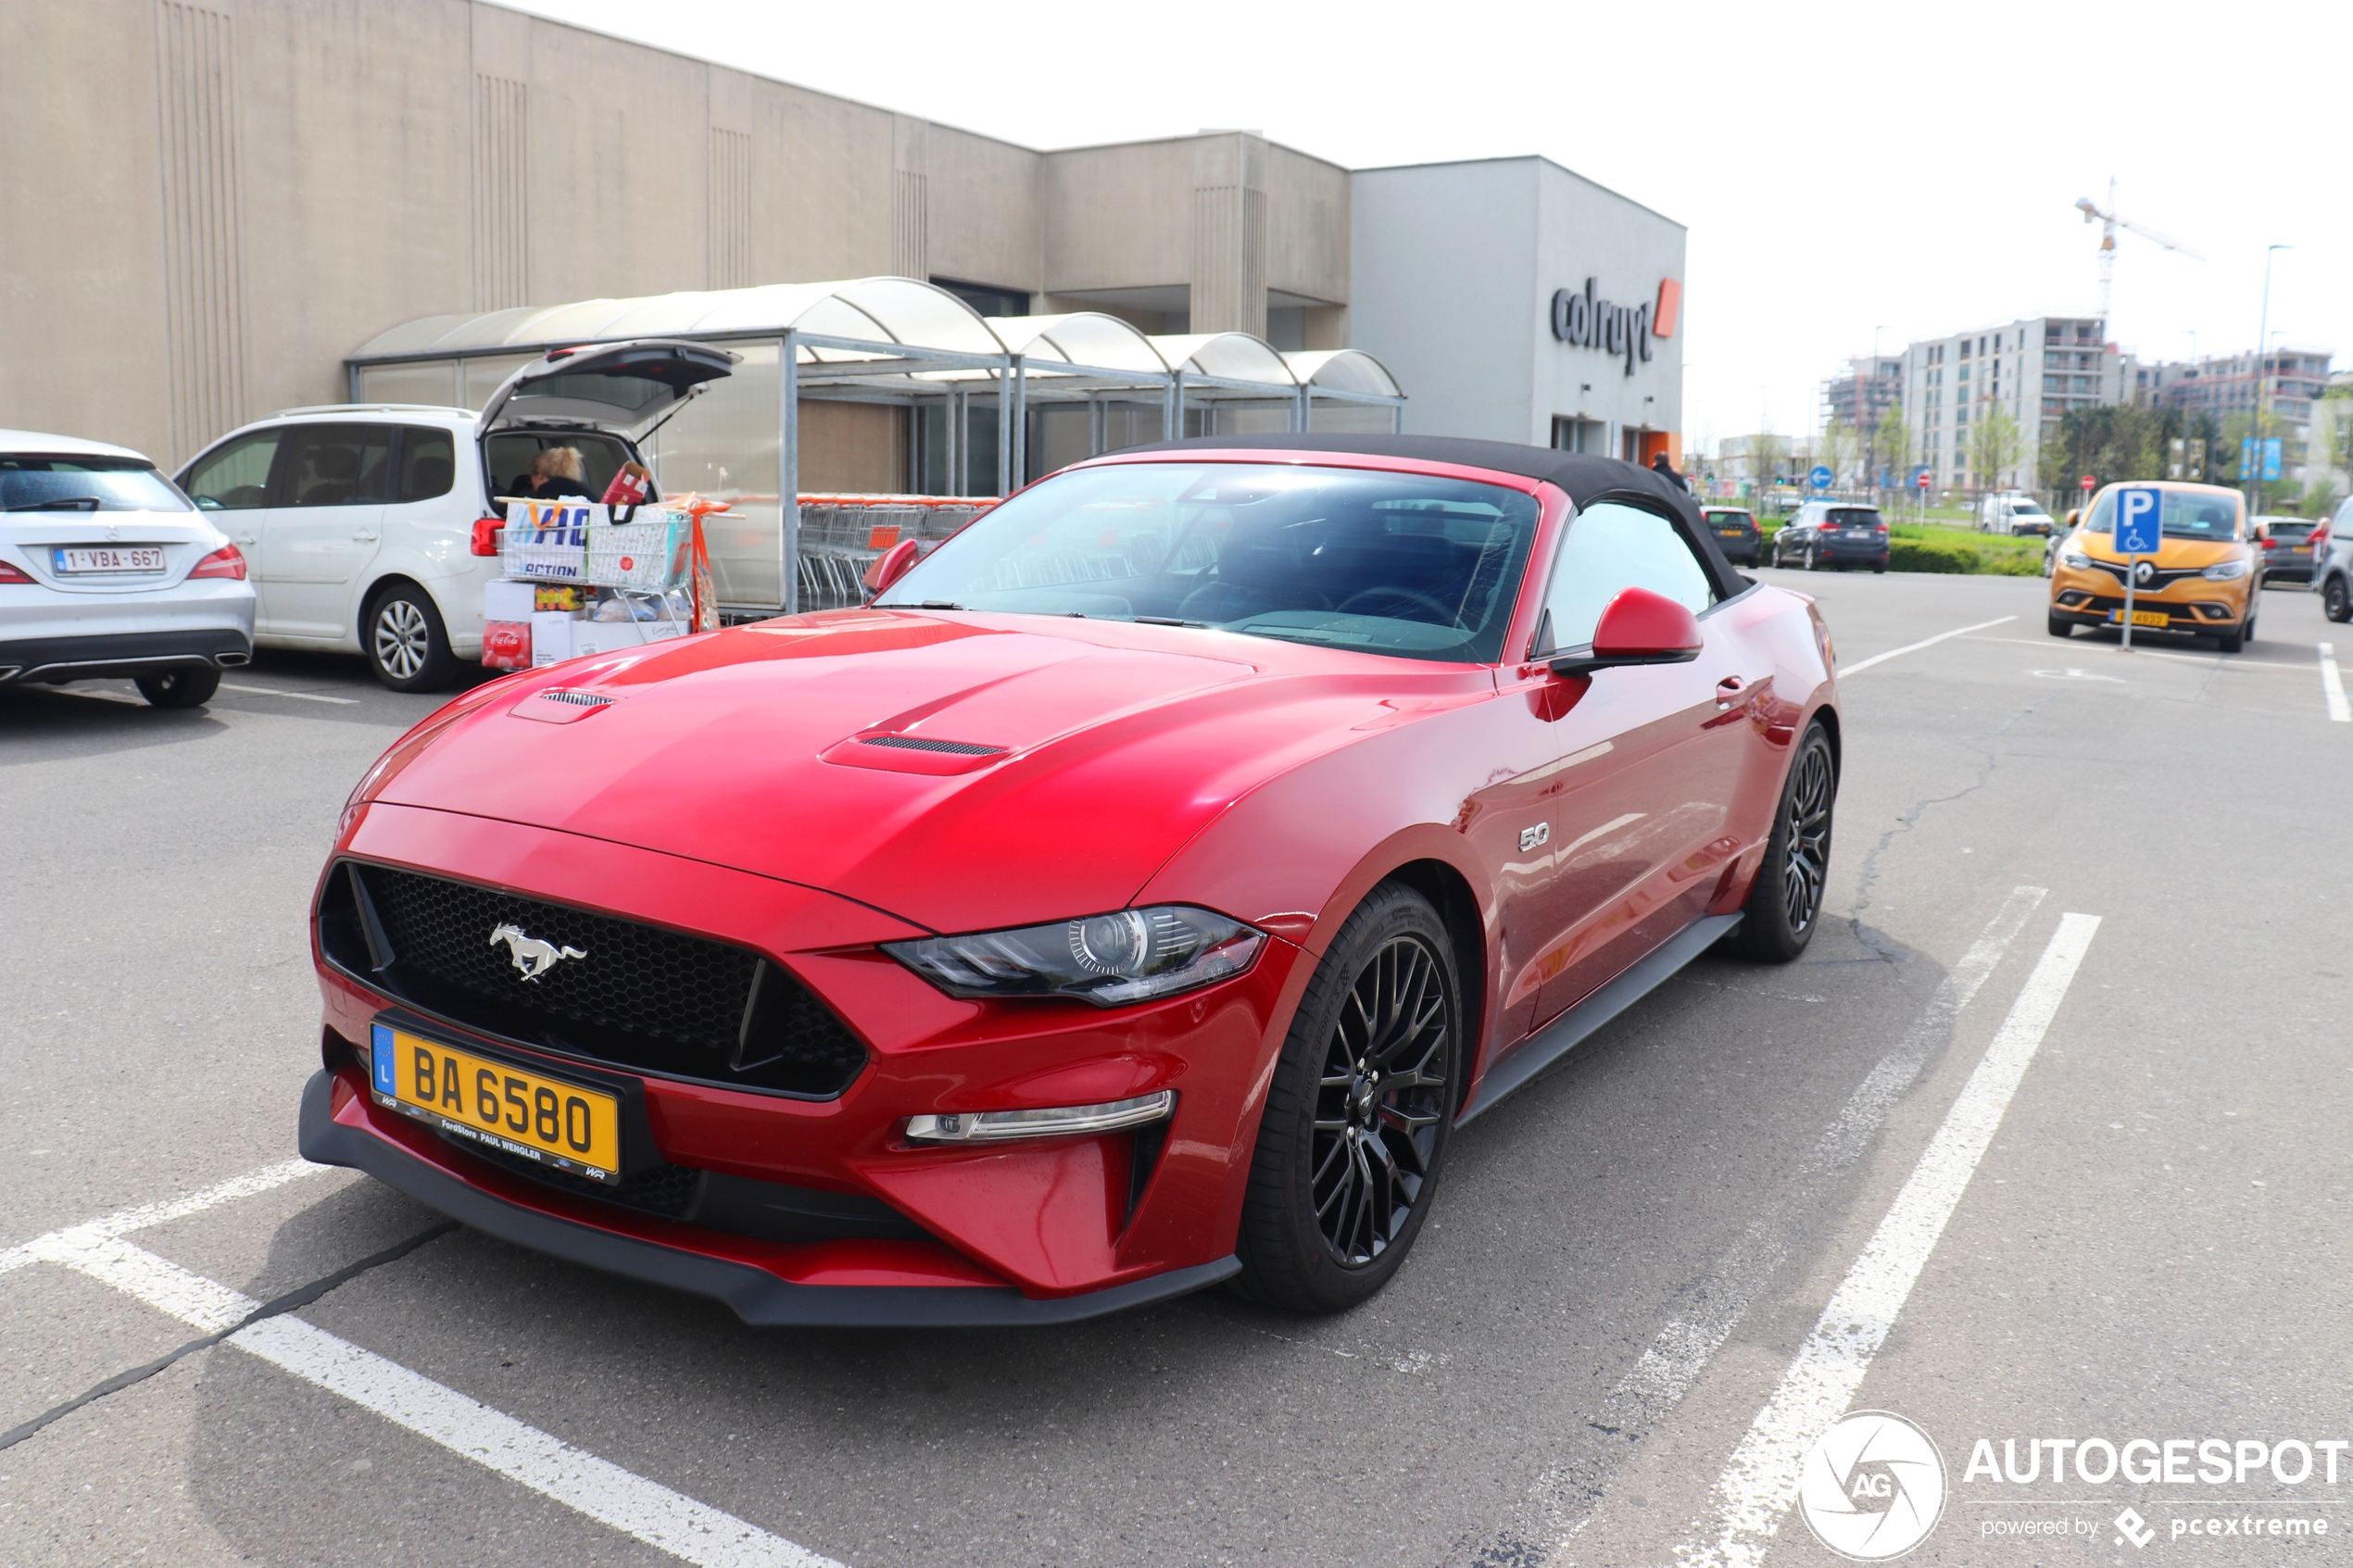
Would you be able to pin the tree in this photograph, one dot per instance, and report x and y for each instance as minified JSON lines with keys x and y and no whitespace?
{"x":1766,"y":455}
{"x":1837,"y":450}
{"x":1891,"y":442}
{"x":1996,"y":446}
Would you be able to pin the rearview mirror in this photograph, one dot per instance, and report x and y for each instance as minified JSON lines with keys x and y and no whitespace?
{"x":1639,"y":627}
{"x":890,"y":566}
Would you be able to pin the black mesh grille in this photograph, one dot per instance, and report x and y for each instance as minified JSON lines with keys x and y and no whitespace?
{"x":925,"y":743}
{"x":608,"y":989}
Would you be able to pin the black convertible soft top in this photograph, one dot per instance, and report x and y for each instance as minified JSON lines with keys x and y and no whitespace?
{"x":1584,"y":476}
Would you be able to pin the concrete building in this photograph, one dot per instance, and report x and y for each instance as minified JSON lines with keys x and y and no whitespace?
{"x":2036,"y":371}
{"x":1862,"y":395}
{"x":1516,"y":300}
{"x":211,"y":204}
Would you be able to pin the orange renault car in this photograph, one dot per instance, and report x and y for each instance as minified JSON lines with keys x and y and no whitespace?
{"x":2202,"y":582}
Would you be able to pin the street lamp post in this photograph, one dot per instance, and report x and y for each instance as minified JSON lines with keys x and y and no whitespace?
{"x":2262,"y":338}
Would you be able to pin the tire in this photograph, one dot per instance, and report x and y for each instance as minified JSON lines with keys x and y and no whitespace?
{"x":2060,"y":627}
{"x":2336,"y":599}
{"x":1335,"y":1148}
{"x":179,"y":688}
{"x":1785,"y":903}
{"x":1813,"y":562}
{"x":1879,"y":568}
{"x":405,"y":643}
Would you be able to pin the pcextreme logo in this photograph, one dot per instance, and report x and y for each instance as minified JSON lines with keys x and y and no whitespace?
{"x":1874,"y":1487}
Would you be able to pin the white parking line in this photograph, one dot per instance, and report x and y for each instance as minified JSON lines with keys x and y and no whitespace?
{"x":647,"y":1511}
{"x":306,"y":696}
{"x":2332,"y":685}
{"x":1657,"y":1381}
{"x":143,"y":1216}
{"x":1924,"y":643}
{"x":1756,"y":1487}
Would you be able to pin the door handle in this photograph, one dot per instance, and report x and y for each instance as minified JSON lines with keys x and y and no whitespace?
{"x":248,"y":539}
{"x":363,"y":538}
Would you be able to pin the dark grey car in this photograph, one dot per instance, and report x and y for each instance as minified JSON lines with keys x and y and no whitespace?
{"x":1836,"y":534}
{"x":1736,"y":533}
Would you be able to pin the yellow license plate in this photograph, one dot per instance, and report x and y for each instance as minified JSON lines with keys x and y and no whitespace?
{"x":2143,"y":617}
{"x":567,"y":1125}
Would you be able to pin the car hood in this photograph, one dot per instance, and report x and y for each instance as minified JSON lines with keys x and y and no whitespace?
{"x":1108,"y":745}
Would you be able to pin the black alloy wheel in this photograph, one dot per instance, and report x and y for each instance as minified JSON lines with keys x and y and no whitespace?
{"x":1785,"y":903}
{"x":190,"y":687}
{"x":2337,"y":600}
{"x":1358,"y":1114}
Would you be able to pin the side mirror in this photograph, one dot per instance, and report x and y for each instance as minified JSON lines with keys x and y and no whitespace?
{"x":890,"y":566}
{"x":1639,"y":627}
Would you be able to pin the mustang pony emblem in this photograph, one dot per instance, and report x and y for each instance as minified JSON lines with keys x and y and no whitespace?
{"x":531,"y":956}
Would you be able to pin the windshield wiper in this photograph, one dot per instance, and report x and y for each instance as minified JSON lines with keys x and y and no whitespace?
{"x":1169,"y":621}
{"x":60,"y":504}
{"x":925,"y":603}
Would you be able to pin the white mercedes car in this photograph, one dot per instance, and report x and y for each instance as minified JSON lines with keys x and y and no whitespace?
{"x":107,"y":572}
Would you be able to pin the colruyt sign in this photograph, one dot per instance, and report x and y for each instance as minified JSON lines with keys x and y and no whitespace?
{"x":1587,"y":320}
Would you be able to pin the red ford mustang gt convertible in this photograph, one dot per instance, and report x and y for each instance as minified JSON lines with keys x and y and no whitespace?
{"x":1134,"y":896}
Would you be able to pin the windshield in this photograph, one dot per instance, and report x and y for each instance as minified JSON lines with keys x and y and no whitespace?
{"x":1409,"y":565}
{"x":1727,"y":520}
{"x":2186,"y":514}
{"x":2028,"y":509}
{"x":1852,"y":516}
{"x":2284,"y":529}
{"x":85,"y":484}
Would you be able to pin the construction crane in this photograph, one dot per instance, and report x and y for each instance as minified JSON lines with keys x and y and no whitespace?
{"x":2110,"y":223}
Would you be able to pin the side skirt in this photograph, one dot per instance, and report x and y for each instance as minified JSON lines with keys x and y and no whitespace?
{"x":1557,"y":1038}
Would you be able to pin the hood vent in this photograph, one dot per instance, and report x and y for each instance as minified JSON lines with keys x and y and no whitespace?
{"x":925,"y":743}
{"x":912,"y":754}
{"x":561,"y":704}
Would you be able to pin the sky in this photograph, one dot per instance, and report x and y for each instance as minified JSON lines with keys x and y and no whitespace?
{"x":1852,"y":175}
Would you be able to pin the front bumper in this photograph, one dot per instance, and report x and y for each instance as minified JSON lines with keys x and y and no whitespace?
{"x":336,"y":1130}
{"x":2193,"y":618}
{"x":123,"y":654}
{"x":1110,"y":1218}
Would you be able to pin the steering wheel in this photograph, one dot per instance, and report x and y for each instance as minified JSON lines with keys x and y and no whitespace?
{"x":1445,"y":617}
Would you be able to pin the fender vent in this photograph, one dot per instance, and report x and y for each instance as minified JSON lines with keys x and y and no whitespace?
{"x":585,"y":699}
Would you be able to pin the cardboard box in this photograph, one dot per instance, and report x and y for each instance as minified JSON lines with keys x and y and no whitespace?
{"x":610,"y":636}
{"x":504,"y":600}
{"x":551,"y":637}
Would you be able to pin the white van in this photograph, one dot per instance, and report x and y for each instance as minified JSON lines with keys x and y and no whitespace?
{"x":358,"y":521}
{"x":2011,"y":511}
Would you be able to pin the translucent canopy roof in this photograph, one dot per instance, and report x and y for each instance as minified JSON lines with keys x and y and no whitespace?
{"x":1084,"y":337}
{"x":1227,"y":356}
{"x":1342,"y":370}
{"x":892,"y":310}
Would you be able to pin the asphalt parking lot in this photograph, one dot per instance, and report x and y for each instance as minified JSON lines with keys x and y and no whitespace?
{"x":2044,"y":1138}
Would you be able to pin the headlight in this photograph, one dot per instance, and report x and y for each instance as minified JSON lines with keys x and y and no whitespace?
{"x":2075,"y":558}
{"x":2224,"y":571}
{"x":1111,"y":961}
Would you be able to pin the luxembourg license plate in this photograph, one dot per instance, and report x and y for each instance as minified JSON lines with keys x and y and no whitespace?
{"x":1730,"y":533}
{"x":2140,"y":618}
{"x":567,"y":1125}
{"x":125,"y":558}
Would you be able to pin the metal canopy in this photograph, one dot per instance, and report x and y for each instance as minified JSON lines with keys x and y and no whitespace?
{"x":902,"y":341}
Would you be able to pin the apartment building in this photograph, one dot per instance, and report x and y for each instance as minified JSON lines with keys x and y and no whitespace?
{"x":1864,"y":392}
{"x":2035,"y":369}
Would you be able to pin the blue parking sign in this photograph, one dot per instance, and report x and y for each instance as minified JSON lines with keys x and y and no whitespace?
{"x":2139,"y":510}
